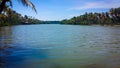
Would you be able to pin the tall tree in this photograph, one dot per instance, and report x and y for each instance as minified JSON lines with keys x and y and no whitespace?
{"x":24,"y":2}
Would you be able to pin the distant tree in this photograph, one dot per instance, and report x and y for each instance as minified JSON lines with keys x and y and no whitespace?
{"x":105,"y":18}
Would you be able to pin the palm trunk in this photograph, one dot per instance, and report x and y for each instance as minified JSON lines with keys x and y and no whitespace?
{"x":2,"y":5}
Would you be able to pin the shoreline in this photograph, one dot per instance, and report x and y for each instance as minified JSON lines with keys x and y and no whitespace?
{"x":66,"y":24}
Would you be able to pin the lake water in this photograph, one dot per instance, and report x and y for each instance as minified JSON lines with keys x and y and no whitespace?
{"x":59,"y":46}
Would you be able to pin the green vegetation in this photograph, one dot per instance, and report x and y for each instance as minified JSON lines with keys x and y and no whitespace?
{"x":106,"y":18}
{"x":11,"y":17}
{"x":50,"y":22}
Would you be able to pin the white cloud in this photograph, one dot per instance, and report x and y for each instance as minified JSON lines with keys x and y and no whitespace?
{"x":98,"y":4}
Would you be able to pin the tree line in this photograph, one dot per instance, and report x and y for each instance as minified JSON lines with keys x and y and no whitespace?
{"x":105,"y":18}
{"x":11,"y":17}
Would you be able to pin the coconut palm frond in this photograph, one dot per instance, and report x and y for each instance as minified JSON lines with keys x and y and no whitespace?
{"x":28,"y":3}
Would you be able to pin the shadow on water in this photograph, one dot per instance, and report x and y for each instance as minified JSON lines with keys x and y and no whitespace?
{"x":11,"y":54}
{"x":4,"y":45}
{"x":16,"y":57}
{"x":19,"y":57}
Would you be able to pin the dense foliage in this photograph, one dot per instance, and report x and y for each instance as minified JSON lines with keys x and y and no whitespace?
{"x":50,"y":22}
{"x":105,"y":18}
{"x":11,"y":17}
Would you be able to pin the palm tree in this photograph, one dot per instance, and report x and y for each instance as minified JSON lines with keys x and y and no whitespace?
{"x":24,"y":2}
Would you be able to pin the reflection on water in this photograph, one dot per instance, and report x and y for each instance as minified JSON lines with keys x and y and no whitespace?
{"x":59,"y":46}
{"x":5,"y":44}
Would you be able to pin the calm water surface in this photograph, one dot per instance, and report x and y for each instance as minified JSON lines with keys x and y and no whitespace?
{"x":59,"y":46}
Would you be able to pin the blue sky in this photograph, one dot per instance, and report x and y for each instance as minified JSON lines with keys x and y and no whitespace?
{"x":64,"y":9}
